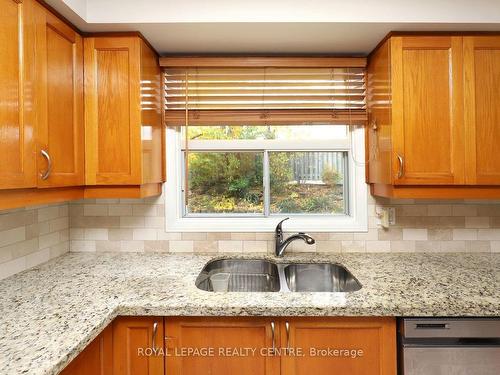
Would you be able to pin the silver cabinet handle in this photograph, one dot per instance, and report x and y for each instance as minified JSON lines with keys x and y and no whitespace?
{"x":401,"y":170}
{"x":155,"y":330}
{"x":272,"y":335}
{"x":287,"y":328}
{"x":46,"y":174}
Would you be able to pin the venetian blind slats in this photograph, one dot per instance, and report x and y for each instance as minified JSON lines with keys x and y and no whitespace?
{"x":265,"y":88}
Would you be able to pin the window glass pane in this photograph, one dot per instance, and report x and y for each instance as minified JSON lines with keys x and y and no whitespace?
{"x":285,"y":132}
{"x":307,"y":182}
{"x":225,"y":182}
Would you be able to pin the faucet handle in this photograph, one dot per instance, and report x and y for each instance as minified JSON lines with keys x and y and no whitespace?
{"x":279,"y":226}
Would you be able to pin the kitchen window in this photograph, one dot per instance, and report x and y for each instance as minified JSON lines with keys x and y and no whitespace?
{"x":247,"y":147}
{"x":246,"y":178}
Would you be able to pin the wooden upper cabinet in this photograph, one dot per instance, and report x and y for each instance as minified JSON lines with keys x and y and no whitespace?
{"x":123,"y":125}
{"x":60,"y":133}
{"x":218,"y":334}
{"x":132,"y":337}
{"x":17,"y":101}
{"x":482,"y":109}
{"x":370,"y":342}
{"x":96,"y":358}
{"x":427,"y":110}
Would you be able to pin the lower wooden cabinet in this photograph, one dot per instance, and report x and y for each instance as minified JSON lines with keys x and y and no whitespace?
{"x":241,"y":345}
{"x":133,"y":337}
{"x":96,"y":359}
{"x":354,"y":346}
{"x":226,"y":346}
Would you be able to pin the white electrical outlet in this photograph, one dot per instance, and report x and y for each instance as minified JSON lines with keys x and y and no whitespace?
{"x":387,"y":217}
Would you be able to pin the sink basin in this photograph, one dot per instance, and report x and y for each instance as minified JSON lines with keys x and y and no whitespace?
{"x":320,"y":277}
{"x":246,"y":275}
{"x":260,"y":275}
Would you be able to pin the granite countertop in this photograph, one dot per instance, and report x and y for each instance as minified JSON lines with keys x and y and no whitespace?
{"x":51,"y":312}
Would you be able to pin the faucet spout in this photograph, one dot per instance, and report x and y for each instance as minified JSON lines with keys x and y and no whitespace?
{"x":281,"y":244}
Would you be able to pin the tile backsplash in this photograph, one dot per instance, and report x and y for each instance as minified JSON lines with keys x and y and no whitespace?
{"x":421,"y":226}
{"x":31,"y":236}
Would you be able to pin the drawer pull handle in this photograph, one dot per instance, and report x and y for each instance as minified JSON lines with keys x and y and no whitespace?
{"x":155,"y":330}
{"x":287,"y":328}
{"x":46,"y":174}
{"x":401,"y":170}
{"x":272,"y":336}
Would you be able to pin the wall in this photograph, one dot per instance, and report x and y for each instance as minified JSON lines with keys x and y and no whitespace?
{"x":31,"y":236}
{"x":421,"y":226}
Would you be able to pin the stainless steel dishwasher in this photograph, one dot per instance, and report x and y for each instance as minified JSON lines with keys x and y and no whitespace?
{"x":435,"y":346}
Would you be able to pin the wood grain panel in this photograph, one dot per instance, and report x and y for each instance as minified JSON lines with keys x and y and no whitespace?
{"x":482,"y":109}
{"x":61,"y":129}
{"x":96,"y":358}
{"x":427,"y":104}
{"x":375,"y":337}
{"x":153,"y":130}
{"x":112,"y":111}
{"x":220,"y":333}
{"x":379,"y":139}
{"x":17,"y":110}
{"x":130,"y":334}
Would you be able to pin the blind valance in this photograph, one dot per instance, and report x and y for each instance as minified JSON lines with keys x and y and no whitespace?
{"x":264,"y":95}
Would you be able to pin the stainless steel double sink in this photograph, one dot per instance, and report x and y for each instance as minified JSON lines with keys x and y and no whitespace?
{"x":260,"y":275}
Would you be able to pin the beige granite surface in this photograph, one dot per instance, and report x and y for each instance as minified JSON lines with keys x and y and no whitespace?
{"x":50,"y":313}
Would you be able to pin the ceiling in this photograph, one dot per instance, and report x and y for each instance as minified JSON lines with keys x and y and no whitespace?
{"x":276,"y":26}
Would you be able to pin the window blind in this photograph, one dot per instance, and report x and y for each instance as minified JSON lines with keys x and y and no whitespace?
{"x":270,"y":95}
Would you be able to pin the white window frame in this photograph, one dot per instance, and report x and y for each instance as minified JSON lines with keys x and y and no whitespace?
{"x":356,"y":221}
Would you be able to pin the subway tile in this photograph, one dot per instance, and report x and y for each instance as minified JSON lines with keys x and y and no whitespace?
{"x":48,"y":240}
{"x":264,"y":236}
{"x":452,"y":246}
{"x":378,"y":246}
{"x":77,"y":234}
{"x":464,"y":234}
{"x":58,"y":224}
{"x":119,"y":234}
{"x":20,"y":249}
{"x":154,"y":222}
{"x":391,"y":234}
{"x":120,"y":210}
{"x":328,"y":246}
{"x":48,"y":213}
{"x":371,"y":235}
{"x":82,"y":245}
{"x":144,"y":234}
{"x":495,"y":246}
{"x":414,"y":234}
{"x":488,"y":234}
{"x":488,"y":210}
{"x":95,"y":210}
{"x":439,"y":210}
{"x":478,"y":246}
{"x":16,"y":219}
{"x":194,"y":236}
{"x":464,"y":210}
{"x":132,"y":246}
{"x":38,"y":257}
{"x":353,"y":246}
{"x":243,"y":236}
{"x":440,"y":234}
{"x":156,"y":246}
{"x":12,"y":267}
{"x":181,"y":246}
{"x":132,"y":222}
{"x":105,"y":246}
{"x":217,"y":236}
{"x":205,"y":247}
{"x":95,"y":234}
{"x":230,"y":246}
{"x":255,"y":246}
{"x":59,"y":249}
{"x":11,"y":236}
{"x":402,"y":246}
{"x":144,"y":210}
{"x":427,"y":246}
{"x":477,"y":222}
{"x":168,"y":236}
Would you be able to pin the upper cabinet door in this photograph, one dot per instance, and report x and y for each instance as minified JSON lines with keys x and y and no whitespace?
{"x":112,"y":111}
{"x":427,"y":101}
{"x":482,"y":109}
{"x":17,"y":117}
{"x":61,"y":127}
